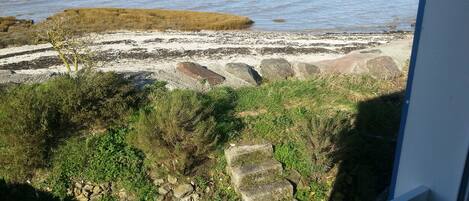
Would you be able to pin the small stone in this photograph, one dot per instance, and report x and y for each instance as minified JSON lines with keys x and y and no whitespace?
{"x":207,"y":190}
{"x":82,"y":198}
{"x":78,"y":185}
{"x":172,"y":180}
{"x":195,"y":197}
{"x":76,"y":191}
{"x":162,"y":191}
{"x":86,"y":193}
{"x":158,"y":182}
{"x":183,"y":190}
{"x":88,"y":188}
{"x":122,"y":195}
{"x":97,"y":190}
{"x":96,"y":197}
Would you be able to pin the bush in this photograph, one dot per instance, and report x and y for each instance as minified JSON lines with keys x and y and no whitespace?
{"x":322,"y":134}
{"x":28,"y":124}
{"x":105,"y":158}
{"x":95,"y":98}
{"x":177,"y":130}
{"x":35,"y":118}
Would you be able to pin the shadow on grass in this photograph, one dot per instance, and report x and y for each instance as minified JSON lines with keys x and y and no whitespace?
{"x":367,"y":152}
{"x":24,"y":192}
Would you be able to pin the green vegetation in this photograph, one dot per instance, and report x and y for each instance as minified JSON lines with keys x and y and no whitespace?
{"x":336,"y":132}
{"x":177,"y":130}
{"x":100,"y":159}
{"x":90,"y":20}
{"x":35,"y":118}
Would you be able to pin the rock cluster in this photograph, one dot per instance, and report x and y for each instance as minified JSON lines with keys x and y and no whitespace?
{"x":171,"y":188}
{"x":256,"y":175}
{"x":371,"y":61}
{"x":86,"y":191}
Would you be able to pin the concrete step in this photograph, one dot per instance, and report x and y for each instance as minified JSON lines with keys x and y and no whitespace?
{"x":247,"y":154}
{"x":277,"y":191}
{"x":253,"y":174}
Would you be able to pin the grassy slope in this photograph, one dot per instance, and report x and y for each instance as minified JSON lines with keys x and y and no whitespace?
{"x":87,"y":20}
{"x":336,"y":131}
{"x":320,"y":128}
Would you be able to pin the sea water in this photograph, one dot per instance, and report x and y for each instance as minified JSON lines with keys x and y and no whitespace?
{"x":295,"y":15}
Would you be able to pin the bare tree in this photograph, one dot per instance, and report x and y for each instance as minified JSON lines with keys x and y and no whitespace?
{"x":71,"y":47}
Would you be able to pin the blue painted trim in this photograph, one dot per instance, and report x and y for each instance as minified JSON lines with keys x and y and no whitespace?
{"x":405,"y":109}
{"x":463,"y":187}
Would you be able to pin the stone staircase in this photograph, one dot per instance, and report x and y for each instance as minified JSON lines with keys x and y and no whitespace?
{"x":256,"y":175}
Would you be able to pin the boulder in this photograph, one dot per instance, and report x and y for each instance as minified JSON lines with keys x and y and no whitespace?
{"x":305,"y":70}
{"x":369,"y":62}
{"x":183,"y":190}
{"x":244,"y":72}
{"x":383,"y":67}
{"x":276,"y":69}
{"x":200,"y":73}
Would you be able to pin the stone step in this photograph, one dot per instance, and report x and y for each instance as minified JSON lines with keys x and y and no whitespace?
{"x":277,"y":191}
{"x":254,"y":174}
{"x":239,"y":155}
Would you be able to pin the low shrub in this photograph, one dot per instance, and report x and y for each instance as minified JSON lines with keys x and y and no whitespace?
{"x":177,"y":130}
{"x":322,"y":135}
{"x":96,"y":99}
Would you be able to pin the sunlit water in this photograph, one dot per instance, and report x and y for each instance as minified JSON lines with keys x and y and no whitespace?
{"x":299,"y":15}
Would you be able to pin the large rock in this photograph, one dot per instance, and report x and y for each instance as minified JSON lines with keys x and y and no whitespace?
{"x":244,"y":72}
{"x":305,"y":70}
{"x":383,"y":67}
{"x":200,"y":73}
{"x":276,"y":69}
{"x":369,"y":62}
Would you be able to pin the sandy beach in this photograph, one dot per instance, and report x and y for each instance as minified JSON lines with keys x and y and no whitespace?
{"x":157,"y":53}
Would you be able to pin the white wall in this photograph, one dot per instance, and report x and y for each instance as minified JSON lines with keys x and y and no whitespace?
{"x":436,"y":134}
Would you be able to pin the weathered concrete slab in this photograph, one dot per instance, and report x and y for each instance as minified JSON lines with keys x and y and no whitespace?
{"x":256,"y":175}
{"x":233,"y":154}
{"x":278,"y":191}
{"x":259,"y":172}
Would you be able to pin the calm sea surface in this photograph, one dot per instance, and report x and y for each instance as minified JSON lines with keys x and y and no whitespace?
{"x":299,"y":15}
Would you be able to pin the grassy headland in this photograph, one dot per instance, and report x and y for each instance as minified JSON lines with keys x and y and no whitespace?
{"x":91,"y":20}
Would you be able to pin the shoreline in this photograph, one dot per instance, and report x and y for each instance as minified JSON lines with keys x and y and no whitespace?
{"x":156,"y":54}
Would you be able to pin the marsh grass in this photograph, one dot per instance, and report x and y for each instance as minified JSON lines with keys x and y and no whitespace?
{"x":93,"y":20}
